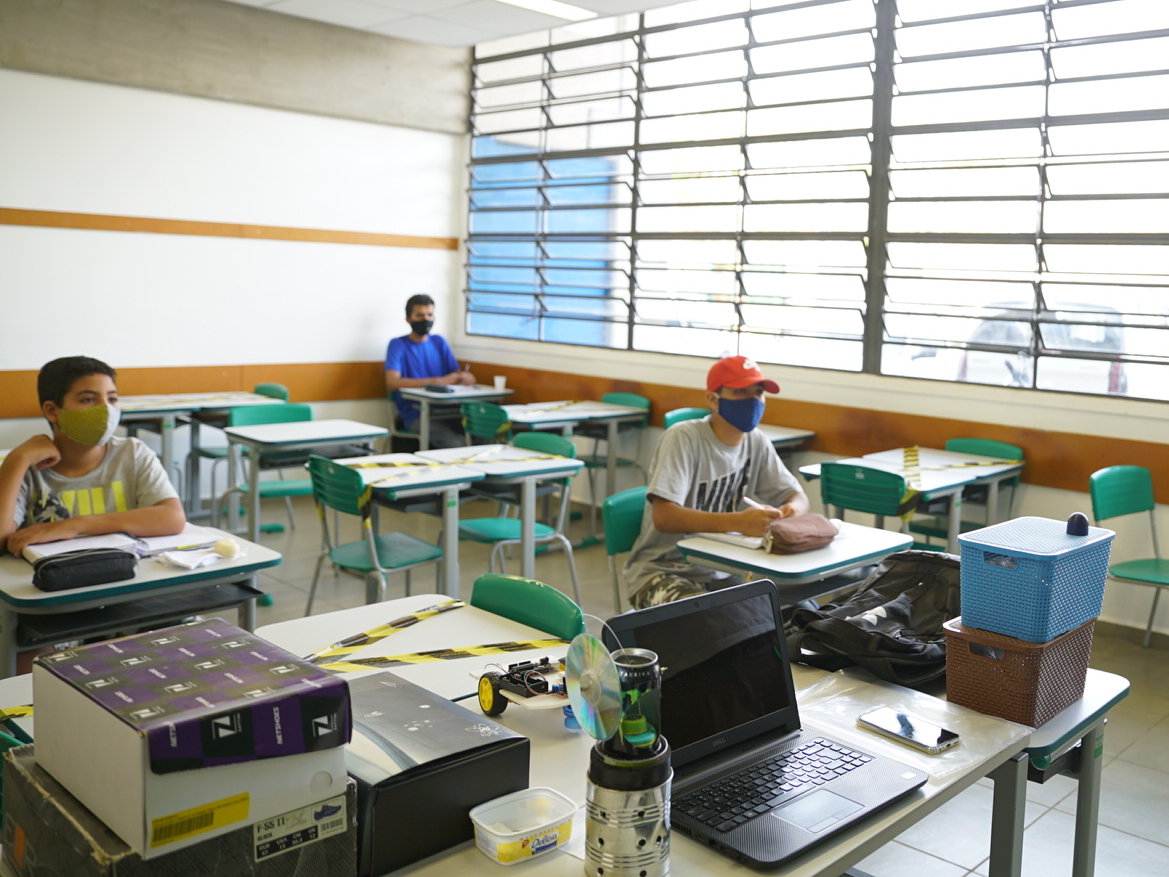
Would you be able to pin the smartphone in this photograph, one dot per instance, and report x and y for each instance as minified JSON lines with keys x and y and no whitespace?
{"x":908,"y":729}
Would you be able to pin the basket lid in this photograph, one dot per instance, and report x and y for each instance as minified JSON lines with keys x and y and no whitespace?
{"x":955,"y":627}
{"x":1042,"y":538}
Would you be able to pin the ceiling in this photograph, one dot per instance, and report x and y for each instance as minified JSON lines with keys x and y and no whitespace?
{"x":443,"y":22}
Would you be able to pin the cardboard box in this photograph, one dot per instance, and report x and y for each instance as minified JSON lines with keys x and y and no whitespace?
{"x":47,"y":833}
{"x":421,"y":763}
{"x":177,"y":735}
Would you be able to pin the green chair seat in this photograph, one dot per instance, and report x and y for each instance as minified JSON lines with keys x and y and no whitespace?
{"x":1151,"y":570}
{"x":271,"y":489}
{"x":494,"y":529}
{"x":394,"y":550}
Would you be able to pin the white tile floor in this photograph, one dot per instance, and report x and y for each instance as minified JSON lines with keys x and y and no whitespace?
{"x":1133,"y":840}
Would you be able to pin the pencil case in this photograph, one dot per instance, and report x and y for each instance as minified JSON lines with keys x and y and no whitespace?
{"x":83,"y":568}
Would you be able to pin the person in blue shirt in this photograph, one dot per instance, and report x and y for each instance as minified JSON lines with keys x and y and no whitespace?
{"x":418,"y":359}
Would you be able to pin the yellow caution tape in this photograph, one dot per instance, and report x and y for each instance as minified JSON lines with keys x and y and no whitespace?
{"x":15,"y":712}
{"x":359,"y":641}
{"x":441,"y":655}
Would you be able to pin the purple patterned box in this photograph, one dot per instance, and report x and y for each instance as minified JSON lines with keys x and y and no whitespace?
{"x":198,"y":726}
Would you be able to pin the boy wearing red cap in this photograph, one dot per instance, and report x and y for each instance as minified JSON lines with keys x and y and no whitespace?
{"x":701,"y":471}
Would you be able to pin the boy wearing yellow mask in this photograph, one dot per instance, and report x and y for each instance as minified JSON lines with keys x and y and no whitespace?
{"x":84,"y":481}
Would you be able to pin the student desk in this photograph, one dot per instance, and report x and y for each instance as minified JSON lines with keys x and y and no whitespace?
{"x":427,"y":399}
{"x":306,"y":434}
{"x":566,"y":416}
{"x":941,"y":473}
{"x":504,"y":464}
{"x":152,"y":580}
{"x":560,"y":757}
{"x":785,"y":438}
{"x":401,"y":476}
{"x":856,"y":546}
{"x":168,"y":407}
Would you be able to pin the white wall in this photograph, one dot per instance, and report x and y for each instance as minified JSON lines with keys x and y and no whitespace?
{"x":167,"y":300}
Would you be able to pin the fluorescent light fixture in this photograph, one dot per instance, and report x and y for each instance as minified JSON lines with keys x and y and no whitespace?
{"x":553,"y":7}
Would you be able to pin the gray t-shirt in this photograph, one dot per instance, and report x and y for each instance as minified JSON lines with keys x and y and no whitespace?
{"x":129,"y":477}
{"x":694,"y":469}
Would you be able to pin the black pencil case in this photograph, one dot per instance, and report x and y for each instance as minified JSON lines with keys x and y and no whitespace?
{"x":83,"y":568}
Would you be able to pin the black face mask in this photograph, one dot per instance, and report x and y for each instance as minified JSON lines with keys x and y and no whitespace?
{"x":421,"y":327}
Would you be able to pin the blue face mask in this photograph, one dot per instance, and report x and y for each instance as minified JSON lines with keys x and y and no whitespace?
{"x":743,"y":414}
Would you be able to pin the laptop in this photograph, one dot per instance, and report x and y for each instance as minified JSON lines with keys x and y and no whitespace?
{"x":748,"y":780}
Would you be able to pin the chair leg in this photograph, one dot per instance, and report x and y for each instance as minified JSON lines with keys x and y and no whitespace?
{"x":616,"y":584}
{"x":407,"y":583}
{"x":291,"y":518}
{"x":592,"y":502}
{"x":1152,"y":615}
{"x":312,"y":592}
{"x":571,"y":566}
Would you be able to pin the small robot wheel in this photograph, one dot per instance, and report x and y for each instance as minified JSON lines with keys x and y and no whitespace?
{"x":490,"y":700}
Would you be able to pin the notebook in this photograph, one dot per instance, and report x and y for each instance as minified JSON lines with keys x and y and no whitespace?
{"x":746,"y":778}
{"x":192,"y":537}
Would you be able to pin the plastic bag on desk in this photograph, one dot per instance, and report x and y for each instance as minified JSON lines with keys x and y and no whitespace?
{"x":224,"y":549}
{"x":833,"y":705}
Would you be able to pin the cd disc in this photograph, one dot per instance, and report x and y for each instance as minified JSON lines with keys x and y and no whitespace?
{"x":593,"y":687}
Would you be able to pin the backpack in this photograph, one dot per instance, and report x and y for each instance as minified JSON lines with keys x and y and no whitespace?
{"x":891,"y":625}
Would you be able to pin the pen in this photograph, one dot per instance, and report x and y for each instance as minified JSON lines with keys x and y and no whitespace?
{"x":753,"y":503}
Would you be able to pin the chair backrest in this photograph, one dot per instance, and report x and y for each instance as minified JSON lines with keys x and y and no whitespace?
{"x":253,"y":415}
{"x":485,"y":420}
{"x":861,"y":489}
{"x":680,"y":414}
{"x":633,"y":400}
{"x":1120,"y":490}
{"x":529,"y":602}
{"x":985,"y":447}
{"x":274,"y":391}
{"x":622,"y":513}
{"x":545,"y":443}
{"x":336,"y":486}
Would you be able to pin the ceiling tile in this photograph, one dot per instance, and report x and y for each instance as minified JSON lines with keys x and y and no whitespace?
{"x":502,"y":18}
{"x":347,"y":13}
{"x":418,"y":7}
{"x":615,"y":7}
{"x":423,"y":29}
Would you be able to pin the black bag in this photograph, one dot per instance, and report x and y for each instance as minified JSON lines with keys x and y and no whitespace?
{"x":83,"y":568}
{"x":891,"y":625}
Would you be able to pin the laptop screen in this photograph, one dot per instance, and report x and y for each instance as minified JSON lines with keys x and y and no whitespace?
{"x":725,"y":676}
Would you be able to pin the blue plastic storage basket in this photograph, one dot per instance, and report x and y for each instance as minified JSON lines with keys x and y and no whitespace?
{"x":1029,"y":579}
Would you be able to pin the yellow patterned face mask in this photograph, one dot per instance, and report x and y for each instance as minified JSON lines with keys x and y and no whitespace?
{"x":89,"y":426}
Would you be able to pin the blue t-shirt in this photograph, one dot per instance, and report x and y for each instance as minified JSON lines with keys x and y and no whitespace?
{"x":418,"y":359}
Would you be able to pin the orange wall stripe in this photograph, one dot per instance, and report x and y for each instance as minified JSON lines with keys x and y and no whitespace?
{"x":1054,"y":459}
{"x":103,"y":222}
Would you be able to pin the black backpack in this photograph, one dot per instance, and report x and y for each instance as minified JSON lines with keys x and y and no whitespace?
{"x":891,"y":625}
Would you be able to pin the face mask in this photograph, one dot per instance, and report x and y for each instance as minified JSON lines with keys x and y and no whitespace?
{"x":89,"y":426}
{"x":743,"y":414}
{"x":421,"y":327}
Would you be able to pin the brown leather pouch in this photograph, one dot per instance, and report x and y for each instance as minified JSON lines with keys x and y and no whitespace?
{"x":798,"y":533}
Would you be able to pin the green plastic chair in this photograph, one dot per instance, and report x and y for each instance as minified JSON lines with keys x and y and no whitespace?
{"x":862,"y":489}
{"x":1127,"y":490}
{"x":218,"y":453}
{"x":935,"y":520}
{"x":501,"y":532}
{"x":680,"y":414}
{"x":621,"y":515}
{"x":341,"y":489}
{"x":529,"y":602}
{"x":595,"y":460}
{"x":253,"y":415}
{"x":485,"y":420}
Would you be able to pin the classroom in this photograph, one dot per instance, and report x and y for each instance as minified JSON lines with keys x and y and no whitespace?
{"x":210,"y":195}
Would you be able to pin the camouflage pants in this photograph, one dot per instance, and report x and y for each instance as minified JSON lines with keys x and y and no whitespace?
{"x":666,"y":588}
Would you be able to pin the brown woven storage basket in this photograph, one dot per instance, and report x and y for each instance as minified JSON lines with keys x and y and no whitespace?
{"x":1014,"y":679}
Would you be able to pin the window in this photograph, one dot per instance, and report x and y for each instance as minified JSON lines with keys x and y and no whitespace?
{"x":975,"y":190}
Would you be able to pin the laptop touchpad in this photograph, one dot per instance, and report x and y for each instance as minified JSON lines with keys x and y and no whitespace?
{"x":817,"y":811}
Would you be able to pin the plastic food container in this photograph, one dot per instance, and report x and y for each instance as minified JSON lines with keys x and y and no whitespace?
{"x":523,"y":824}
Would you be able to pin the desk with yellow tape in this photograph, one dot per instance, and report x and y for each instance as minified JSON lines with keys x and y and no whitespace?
{"x":936,"y":473}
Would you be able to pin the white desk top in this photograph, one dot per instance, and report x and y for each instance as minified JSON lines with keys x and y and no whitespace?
{"x":940,"y":470}
{"x":855,"y":546}
{"x":305,"y":432}
{"x":16,"y":588}
{"x":462,"y":392}
{"x":397,"y":472}
{"x":503,"y":461}
{"x":559,"y":757}
{"x":192,"y":401}
{"x":570,"y":412}
{"x":785,"y":434}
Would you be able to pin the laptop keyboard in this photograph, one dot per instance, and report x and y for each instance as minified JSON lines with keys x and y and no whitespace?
{"x":758,"y":788}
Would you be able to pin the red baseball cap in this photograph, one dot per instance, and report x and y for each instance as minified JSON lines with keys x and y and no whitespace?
{"x":737,"y":372}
